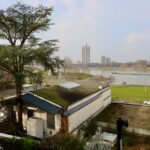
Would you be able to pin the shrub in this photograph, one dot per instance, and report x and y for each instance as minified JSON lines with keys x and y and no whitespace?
{"x":70,"y":141}
{"x":89,"y":128}
{"x":62,"y":142}
{"x":5,"y":85}
{"x":20,"y":144}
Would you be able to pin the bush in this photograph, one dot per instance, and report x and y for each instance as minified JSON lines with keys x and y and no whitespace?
{"x":62,"y":142}
{"x":89,"y":128}
{"x":70,"y":141}
{"x":20,"y":144}
{"x":128,"y":141}
{"x":6,"y":85}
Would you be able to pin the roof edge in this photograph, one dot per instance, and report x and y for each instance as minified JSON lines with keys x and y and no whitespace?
{"x":45,"y":99}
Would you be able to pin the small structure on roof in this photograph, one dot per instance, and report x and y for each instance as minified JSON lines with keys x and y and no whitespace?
{"x":69,"y":85}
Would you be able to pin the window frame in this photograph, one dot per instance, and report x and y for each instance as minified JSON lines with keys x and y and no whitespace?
{"x":50,"y":121}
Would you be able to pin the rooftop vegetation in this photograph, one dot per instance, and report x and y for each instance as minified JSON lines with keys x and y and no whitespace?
{"x":62,"y":96}
{"x":52,"y":95}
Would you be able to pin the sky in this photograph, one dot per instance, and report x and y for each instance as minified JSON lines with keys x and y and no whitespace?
{"x":119,"y":29}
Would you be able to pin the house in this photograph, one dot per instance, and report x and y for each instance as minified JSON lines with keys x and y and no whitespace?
{"x":63,"y":107}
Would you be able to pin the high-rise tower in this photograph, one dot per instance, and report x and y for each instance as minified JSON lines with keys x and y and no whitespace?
{"x":85,"y":55}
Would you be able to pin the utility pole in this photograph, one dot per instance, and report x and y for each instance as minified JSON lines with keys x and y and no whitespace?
{"x":120,"y":123}
{"x":145,"y":88}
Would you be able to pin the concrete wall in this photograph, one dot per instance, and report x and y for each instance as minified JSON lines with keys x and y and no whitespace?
{"x":77,"y":118}
{"x":133,"y":130}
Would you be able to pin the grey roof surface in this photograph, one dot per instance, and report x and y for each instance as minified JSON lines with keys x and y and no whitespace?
{"x":50,"y":108}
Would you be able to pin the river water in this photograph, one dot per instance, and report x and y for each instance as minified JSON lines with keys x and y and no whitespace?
{"x":132,"y":77}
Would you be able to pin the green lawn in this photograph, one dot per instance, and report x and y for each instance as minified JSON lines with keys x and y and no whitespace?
{"x":130,"y":93}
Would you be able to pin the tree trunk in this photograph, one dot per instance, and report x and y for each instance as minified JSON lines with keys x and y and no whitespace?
{"x":19,"y":101}
{"x":36,"y":86}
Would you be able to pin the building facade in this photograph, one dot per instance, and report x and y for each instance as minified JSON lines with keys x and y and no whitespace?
{"x":47,"y":122}
{"x":105,"y":60}
{"x":85,"y":55}
{"x":108,"y":61}
{"x":43,"y":117}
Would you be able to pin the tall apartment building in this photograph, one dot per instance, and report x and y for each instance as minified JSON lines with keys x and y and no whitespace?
{"x":108,"y":61}
{"x":85,"y":55}
{"x":105,"y":60}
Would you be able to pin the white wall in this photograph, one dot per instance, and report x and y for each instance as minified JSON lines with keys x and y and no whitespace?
{"x":83,"y":114}
{"x":43,"y":116}
{"x":85,"y":99}
{"x":108,"y":96}
{"x":57,"y":123}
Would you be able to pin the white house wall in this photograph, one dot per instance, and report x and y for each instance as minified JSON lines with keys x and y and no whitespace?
{"x":25,"y":119}
{"x":43,"y":115}
{"x":49,"y":131}
{"x":85,"y":99}
{"x":89,"y":110}
{"x":107,"y":98}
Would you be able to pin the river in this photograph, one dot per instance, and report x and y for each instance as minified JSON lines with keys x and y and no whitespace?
{"x":132,"y":77}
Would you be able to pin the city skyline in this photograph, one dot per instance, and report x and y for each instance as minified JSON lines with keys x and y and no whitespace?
{"x":120,"y":29}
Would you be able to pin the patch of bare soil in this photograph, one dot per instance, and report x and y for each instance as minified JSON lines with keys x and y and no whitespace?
{"x":138,"y":116}
{"x":138,"y":147}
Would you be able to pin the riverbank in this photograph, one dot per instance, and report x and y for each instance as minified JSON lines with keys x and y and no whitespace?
{"x":115,"y":68}
{"x":130,"y":93}
{"x":131,"y":73}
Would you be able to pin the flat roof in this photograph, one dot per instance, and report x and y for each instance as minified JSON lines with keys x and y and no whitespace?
{"x":65,"y":97}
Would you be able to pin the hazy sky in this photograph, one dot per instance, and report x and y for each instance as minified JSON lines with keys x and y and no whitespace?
{"x":119,"y":29}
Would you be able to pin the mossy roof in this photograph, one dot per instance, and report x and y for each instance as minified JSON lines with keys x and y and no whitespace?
{"x":65,"y":97}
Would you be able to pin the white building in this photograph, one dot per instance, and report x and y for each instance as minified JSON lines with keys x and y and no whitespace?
{"x":64,"y":107}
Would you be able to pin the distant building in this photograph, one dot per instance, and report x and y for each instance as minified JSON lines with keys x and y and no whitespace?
{"x":85,"y":55}
{"x":108,"y":61}
{"x":103,"y":60}
{"x":68,"y":64}
{"x":142,"y":62}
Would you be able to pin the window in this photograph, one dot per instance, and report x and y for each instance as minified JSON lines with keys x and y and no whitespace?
{"x":30,"y":113}
{"x":50,"y":121}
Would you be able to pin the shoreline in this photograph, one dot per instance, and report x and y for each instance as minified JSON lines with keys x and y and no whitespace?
{"x":128,"y":73}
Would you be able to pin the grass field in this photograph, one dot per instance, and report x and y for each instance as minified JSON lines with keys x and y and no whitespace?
{"x":130,"y":93}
